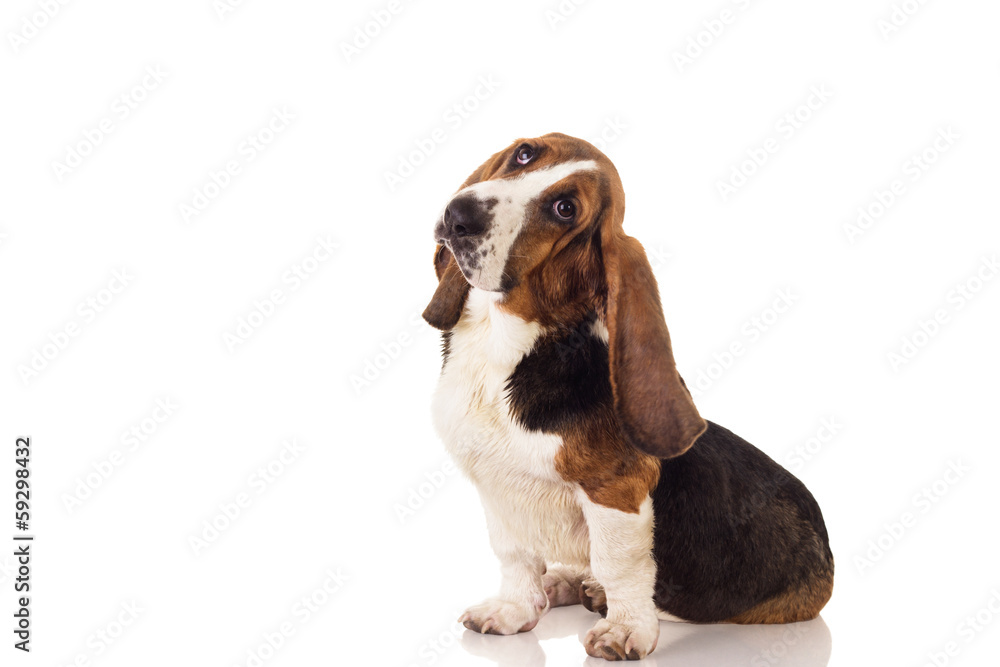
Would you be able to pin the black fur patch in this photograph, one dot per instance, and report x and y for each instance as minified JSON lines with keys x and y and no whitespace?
{"x":732,"y":529}
{"x":445,"y":347}
{"x":562,"y":379}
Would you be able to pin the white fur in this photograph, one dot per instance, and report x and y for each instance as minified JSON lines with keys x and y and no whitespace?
{"x":667,"y":616}
{"x":600,"y":330}
{"x":621,"y":559}
{"x":529,"y":507}
{"x":513,"y":196}
{"x":534,"y":516}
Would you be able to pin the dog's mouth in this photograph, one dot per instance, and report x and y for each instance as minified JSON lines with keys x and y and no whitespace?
{"x":468,"y":258}
{"x":467,"y":265}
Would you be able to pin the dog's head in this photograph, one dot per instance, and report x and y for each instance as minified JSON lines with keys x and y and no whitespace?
{"x":540,"y":223}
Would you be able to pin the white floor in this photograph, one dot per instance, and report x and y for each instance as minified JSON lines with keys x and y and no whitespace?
{"x":557,"y":641}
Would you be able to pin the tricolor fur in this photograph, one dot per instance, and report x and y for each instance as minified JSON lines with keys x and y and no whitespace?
{"x":560,"y":400}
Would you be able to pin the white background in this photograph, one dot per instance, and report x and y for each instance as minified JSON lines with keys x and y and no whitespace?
{"x":676,"y":130}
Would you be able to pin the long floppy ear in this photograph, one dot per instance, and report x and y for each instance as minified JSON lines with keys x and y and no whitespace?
{"x":446,"y":305}
{"x":445,"y":308}
{"x":651,"y":401}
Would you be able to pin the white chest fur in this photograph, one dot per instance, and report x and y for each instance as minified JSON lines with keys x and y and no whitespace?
{"x":513,"y":468}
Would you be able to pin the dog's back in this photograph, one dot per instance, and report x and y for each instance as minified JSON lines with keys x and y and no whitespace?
{"x":737,"y":537}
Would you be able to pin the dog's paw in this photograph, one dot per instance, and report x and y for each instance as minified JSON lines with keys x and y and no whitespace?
{"x":592,"y":597}
{"x":503,"y":617}
{"x":621,"y":641}
{"x":562,"y":585}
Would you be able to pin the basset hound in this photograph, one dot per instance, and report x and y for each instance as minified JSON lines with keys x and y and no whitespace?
{"x":559,"y":398}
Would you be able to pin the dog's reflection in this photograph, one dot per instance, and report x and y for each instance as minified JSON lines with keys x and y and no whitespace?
{"x":681,"y":645}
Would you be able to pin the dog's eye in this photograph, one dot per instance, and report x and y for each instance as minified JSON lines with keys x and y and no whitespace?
{"x":525,"y":154}
{"x":564,"y":209}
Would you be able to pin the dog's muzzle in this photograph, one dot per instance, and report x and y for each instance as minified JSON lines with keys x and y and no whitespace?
{"x":465,"y":228}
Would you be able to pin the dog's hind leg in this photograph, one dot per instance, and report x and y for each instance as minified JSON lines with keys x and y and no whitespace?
{"x":592,"y":596}
{"x":563,"y":583}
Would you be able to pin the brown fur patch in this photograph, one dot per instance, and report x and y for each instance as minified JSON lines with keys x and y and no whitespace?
{"x":555,"y":269}
{"x":445,"y":308}
{"x":799,"y":604}
{"x":609,"y":470}
{"x":653,"y":405}
{"x":559,"y":288}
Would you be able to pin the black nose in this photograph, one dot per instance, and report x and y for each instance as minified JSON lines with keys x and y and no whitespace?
{"x":464,"y":217}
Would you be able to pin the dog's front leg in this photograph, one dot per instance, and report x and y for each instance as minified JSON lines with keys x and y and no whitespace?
{"x":622,"y":562}
{"x":522,"y":600}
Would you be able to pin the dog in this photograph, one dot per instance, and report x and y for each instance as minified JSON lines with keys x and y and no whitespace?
{"x":560,"y":400}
